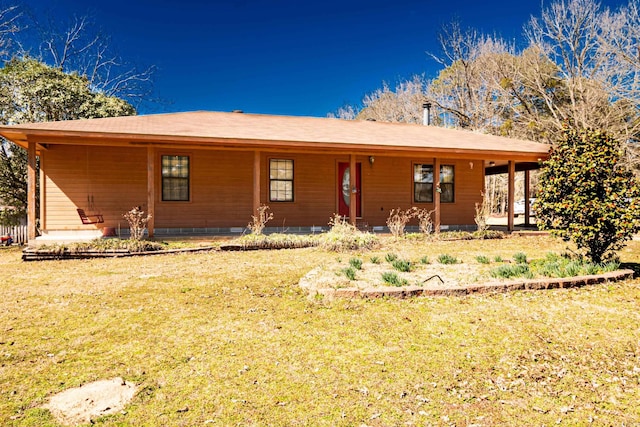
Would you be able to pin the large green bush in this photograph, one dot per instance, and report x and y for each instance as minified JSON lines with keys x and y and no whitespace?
{"x":587,"y":195}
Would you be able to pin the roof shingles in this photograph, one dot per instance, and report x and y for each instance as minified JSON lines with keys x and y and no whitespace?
{"x":217,"y":126}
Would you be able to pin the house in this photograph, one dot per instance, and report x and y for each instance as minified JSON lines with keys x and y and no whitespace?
{"x":207,"y":172}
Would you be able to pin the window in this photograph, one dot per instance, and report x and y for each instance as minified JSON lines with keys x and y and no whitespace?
{"x":175,"y":178}
{"x":423,"y":183}
{"x":280,"y":180}
{"x":446,"y":184}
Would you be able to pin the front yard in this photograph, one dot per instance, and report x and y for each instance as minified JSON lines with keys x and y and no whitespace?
{"x":229,"y":338}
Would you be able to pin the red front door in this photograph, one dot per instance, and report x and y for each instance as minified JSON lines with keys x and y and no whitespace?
{"x":344,"y":192}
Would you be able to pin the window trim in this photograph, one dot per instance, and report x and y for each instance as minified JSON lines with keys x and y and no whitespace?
{"x":188,"y":178}
{"x":273,"y":180}
{"x":452,"y":184}
{"x":413,"y":179}
{"x":434,"y":188}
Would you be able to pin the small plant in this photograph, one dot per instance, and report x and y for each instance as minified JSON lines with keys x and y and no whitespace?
{"x":258,"y":222}
{"x":398,"y":220}
{"x":356,"y":263}
{"x":344,"y":236}
{"x":137,"y":222}
{"x":498,"y":258}
{"x":390,"y":257}
{"x":424,"y":260}
{"x":447,"y":259}
{"x":401,"y":265}
{"x":482,"y":259}
{"x":350,"y":272}
{"x":508,"y":271}
{"x":482,"y":214}
{"x":520,"y":258}
{"x":425,"y":223}
{"x":374,"y":260}
{"x":392,"y":278}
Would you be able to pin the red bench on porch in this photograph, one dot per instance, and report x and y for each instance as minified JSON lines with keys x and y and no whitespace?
{"x":86,"y":219}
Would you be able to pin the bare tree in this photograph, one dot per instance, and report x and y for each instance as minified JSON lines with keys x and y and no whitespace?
{"x":346,"y":112}
{"x":402,"y":104}
{"x":469,"y":91}
{"x":596,"y":53}
{"x":9,"y":25}
{"x":81,"y":47}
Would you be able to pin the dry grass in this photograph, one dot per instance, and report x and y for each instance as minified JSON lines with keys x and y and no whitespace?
{"x":229,"y":339}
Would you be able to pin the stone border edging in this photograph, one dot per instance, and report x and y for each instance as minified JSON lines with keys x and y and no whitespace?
{"x":35,"y":255}
{"x":491,"y":287}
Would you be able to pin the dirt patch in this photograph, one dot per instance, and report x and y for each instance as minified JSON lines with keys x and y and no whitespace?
{"x":82,"y":404}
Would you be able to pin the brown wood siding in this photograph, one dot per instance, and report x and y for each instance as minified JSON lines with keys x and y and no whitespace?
{"x":314,"y":186}
{"x":468,"y":192}
{"x":221,"y":191}
{"x":98,"y":179}
{"x":221,"y":188}
{"x":388,"y":184}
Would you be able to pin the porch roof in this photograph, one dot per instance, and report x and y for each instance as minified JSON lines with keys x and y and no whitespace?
{"x":257,"y":131}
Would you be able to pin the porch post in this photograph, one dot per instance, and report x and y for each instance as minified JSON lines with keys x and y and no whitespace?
{"x":353,"y":196}
{"x":527,"y":195}
{"x":256,"y":181}
{"x":151,"y":190}
{"x":436,"y":194}
{"x":43,"y":191}
{"x":31,"y":191}
{"x":511,"y":195}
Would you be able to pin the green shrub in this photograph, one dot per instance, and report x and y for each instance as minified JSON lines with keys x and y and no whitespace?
{"x":507,"y":271}
{"x":520,"y":258}
{"x":498,"y":258}
{"x":483,"y":259}
{"x":554,"y":265}
{"x":447,"y":259}
{"x":401,"y":265}
{"x":587,"y":193}
{"x":350,"y":272}
{"x":356,"y":263}
{"x":392,"y":278}
{"x":424,"y":260}
{"x":390,"y":257}
{"x":610,"y":266}
{"x":374,"y":260}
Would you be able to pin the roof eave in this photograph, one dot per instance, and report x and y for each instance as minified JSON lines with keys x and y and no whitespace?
{"x":22,"y":136}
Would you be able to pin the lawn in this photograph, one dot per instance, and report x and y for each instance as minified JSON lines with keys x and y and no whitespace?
{"x":228,"y":338}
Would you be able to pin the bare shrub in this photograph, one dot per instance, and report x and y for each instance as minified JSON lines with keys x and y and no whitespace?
{"x":483,"y":210}
{"x":345,"y":236}
{"x":258,"y":222}
{"x":425,"y":223}
{"x":137,"y":222}
{"x":398,"y":220}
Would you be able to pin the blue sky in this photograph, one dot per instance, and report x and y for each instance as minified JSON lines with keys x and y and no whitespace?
{"x":285,"y":57}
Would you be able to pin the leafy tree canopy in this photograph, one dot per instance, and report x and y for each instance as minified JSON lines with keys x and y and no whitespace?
{"x":31,"y":91}
{"x":587,"y":195}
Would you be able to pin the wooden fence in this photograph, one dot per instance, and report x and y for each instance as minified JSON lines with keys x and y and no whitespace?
{"x":18,"y":233}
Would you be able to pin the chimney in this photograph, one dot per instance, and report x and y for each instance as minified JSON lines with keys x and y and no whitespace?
{"x":426,"y":118}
